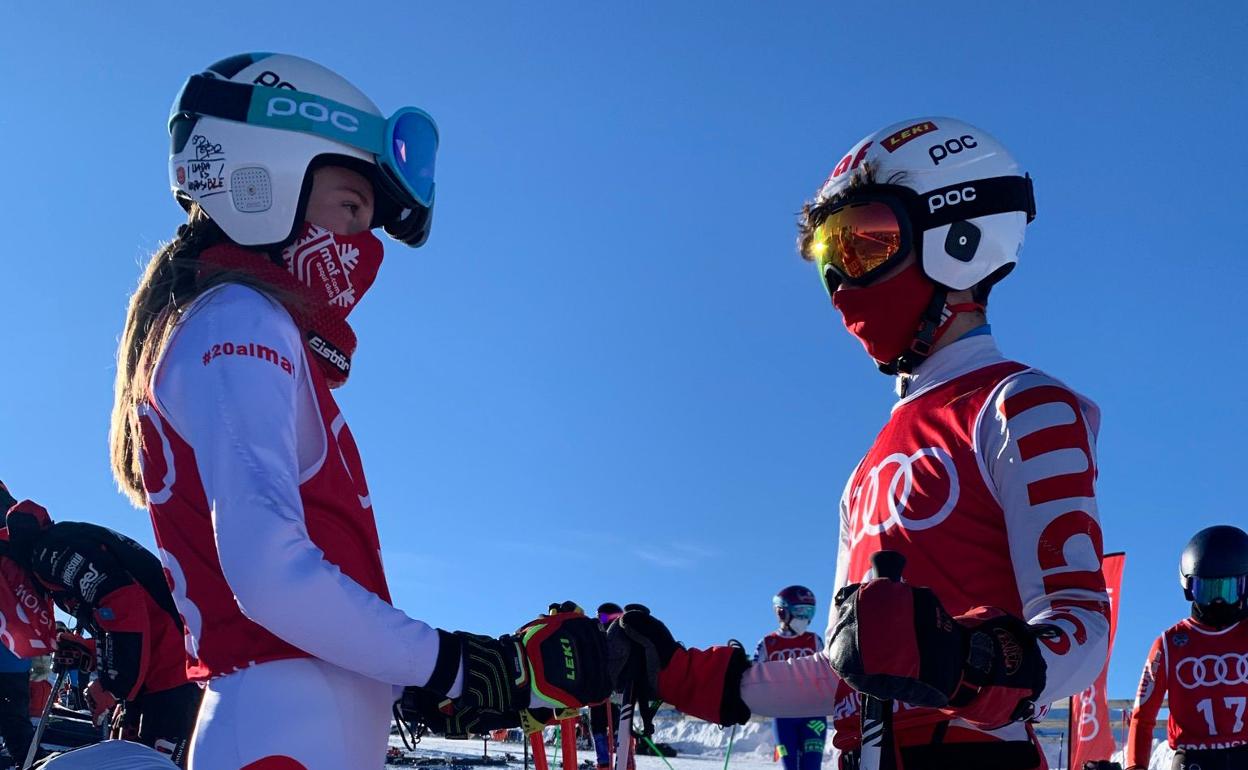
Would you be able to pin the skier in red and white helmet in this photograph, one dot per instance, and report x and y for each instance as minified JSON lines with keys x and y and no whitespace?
{"x":983,"y":477}
{"x":225,"y":426}
{"x":799,"y":740}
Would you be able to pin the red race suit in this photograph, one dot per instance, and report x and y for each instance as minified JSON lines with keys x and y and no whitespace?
{"x":984,"y":478}
{"x":1205,"y":672}
{"x":779,"y":645}
{"x":117,"y":588}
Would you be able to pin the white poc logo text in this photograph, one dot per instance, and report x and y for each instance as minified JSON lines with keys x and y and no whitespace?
{"x":950,"y":198}
{"x":284,"y":107}
{"x":1208,"y":670}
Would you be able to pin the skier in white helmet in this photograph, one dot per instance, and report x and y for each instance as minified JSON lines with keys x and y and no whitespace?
{"x":225,"y":426}
{"x":983,"y":477}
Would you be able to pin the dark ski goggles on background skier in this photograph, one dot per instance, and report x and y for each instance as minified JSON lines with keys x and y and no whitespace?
{"x":1209,"y":590}
{"x":801,"y":611}
{"x":874,"y":228}
{"x":403,"y":145}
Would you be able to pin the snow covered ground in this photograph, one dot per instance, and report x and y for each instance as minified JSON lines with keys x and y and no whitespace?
{"x":434,"y":747}
{"x":700,"y":746}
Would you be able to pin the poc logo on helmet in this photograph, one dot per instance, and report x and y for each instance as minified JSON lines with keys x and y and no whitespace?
{"x":938,"y":152}
{"x":950,"y":198}
{"x":285,"y":107}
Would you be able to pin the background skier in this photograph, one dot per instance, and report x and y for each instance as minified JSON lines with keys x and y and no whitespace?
{"x":799,"y":740}
{"x":1201,"y":662}
{"x":117,"y":590}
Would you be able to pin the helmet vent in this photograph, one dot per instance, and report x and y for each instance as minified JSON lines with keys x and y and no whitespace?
{"x":251,"y":190}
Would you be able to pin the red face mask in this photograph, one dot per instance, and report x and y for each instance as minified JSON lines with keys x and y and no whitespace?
{"x":885,"y":316}
{"x":342,"y":267}
{"x":330,"y":273}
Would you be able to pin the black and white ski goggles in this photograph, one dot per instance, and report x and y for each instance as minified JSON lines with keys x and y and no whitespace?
{"x":875,"y":227}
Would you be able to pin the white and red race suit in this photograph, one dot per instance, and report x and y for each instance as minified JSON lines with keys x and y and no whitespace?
{"x":782,"y":645}
{"x":1205,"y":671}
{"x":266,"y":531}
{"x":984,"y":479}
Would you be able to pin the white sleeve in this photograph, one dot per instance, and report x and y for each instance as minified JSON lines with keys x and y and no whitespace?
{"x":760,"y":649}
{"x":244,"y":416}
{"x":798,"y":687}
{"x":1037,"y":441}
{"x":842,"y":546}
{"x":802,"y":686}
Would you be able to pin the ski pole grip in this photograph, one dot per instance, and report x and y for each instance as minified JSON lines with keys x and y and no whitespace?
{"x":888,"y":564}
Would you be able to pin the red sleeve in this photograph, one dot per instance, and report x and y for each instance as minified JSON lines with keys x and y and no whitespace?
{"x":1148,"y":700}
{"x":122,"y":615}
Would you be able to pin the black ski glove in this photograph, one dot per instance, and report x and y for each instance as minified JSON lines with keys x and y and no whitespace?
{"x":560,"y":659}
{"x":895,"y":640}
{"x":419,"y":706}
{"x":702,"y":683}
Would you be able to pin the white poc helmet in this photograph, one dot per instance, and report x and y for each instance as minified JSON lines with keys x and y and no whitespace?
{"x":970,"y":189}
{"x":248,"y":170}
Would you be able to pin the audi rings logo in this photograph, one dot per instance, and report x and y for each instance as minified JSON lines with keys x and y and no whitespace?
{"x":919,"y":491}
{"x":1208,"y":670}
{"x":1089,"y":725}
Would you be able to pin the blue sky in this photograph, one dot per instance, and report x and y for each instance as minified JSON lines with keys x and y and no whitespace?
{"x":607,"y":375}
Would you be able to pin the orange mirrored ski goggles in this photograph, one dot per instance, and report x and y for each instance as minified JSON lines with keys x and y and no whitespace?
{"x":871,"y":230}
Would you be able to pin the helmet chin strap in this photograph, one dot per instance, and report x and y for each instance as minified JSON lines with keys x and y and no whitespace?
{"x":932,"y":324}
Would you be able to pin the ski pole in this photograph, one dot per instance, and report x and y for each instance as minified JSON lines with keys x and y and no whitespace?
{"x":623,"y":752}
{"x":43,"y":721}
{"x":879,"y":751}
{"x":656,"y":751}
{"x":610,"y":736}
{"x":47,"y":709}
{"x":731,"y":736}
{"x":567,"y":737}
{"x":533,"y":732}
{"x":539,"y":751}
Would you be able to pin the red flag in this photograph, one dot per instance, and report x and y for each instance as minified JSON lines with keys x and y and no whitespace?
{"x":27,"y":622}
{"x":1091,"y":725}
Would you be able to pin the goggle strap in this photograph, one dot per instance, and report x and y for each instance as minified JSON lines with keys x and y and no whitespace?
{"x":995,"y":195}
{"x":203,"y":95}
{"x":246,"y":103}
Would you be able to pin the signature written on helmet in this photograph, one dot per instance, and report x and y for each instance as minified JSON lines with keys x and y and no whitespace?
{"x":287,"y":107}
